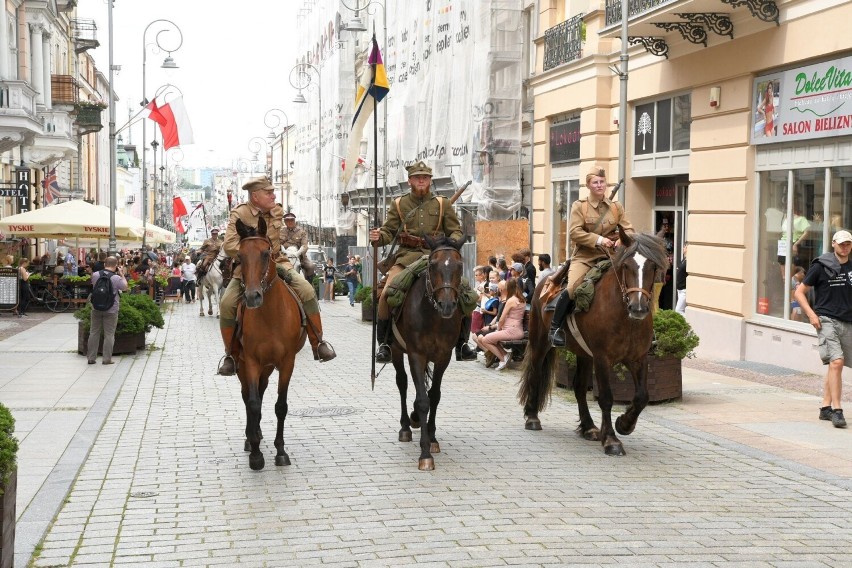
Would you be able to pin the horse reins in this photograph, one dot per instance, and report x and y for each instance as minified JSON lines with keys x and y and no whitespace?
{"x":430,"y":289}
{"x":264,"y":285}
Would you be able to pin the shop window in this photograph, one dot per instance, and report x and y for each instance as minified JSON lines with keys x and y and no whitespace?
{"x":565,"y":193}
{"x":793,"y":231}
{"x":662,"y":126}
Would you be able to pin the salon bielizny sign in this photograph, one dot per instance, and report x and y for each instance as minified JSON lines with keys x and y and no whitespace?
{"x":804,"y":103}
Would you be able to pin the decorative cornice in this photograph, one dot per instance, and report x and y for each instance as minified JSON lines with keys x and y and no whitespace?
{"x":765,"y":10}
{"x":720,"y":24}
{"x":692,"y":33}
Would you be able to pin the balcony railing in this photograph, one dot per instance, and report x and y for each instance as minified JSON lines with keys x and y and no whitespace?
{"x":563,"y":42}
{"x":17,"y":97}
{"x":634,"y":7}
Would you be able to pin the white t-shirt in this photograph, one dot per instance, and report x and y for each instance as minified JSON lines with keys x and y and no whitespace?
{"x":188,"y":271}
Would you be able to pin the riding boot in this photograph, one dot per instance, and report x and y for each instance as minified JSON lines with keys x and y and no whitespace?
{"x":228,"y":366}
{"x":323,"y":351}
{"x":383,"y":355}
{"x":564,"y":306}
{"x":463,"y":350}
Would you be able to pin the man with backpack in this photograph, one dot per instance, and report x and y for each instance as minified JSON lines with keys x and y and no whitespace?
{"x":106,"y":285}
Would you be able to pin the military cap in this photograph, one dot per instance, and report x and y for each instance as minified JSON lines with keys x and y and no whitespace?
{"x":289,"y":215}
{"x":214,"y":230}
{"x":257,"y":184}
{"x":419,"y":169}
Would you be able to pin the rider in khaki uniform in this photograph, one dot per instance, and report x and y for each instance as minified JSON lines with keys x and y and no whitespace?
{"x":208,"y":251}
{"x":295,"y":236}
{"x":262,"y":204}
{"x":592,"y":228}
{"x":409,"y":218}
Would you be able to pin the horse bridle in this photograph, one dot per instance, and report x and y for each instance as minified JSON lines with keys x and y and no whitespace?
{"x":430,"y":290}
{"x":264,"y":285}
{"x":625,"y":292}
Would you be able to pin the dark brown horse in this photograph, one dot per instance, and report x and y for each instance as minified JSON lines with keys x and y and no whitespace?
{"x":272,"y":334}
{"x":616,"y":329}
{"x":427,"y":329}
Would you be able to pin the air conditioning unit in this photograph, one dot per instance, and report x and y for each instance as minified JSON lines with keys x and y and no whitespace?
{"x":131,"y":199}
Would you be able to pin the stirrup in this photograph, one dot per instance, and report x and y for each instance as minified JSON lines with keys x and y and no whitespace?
{"x":227,"y":370}
{"x":325,"y":352}
{"x":557,"y":337}
{"x":383,"y":354}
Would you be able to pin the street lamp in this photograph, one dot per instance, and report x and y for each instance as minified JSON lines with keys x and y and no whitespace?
{"x":275,"y":115}
{"x":355,"y":25}
{"x":113,"y":244}
{"x":255,"y":145}
{"x":301,"y":81}
{"x":168,"y":63}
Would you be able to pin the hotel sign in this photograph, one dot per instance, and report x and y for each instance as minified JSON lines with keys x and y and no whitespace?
{"x":804,"y":103}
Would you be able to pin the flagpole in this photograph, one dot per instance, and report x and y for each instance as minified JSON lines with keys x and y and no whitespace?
{"x":376,"y":221}
{"x":206,"y":226}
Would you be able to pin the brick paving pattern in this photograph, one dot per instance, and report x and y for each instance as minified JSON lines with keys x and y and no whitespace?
{"x":167,"y":482}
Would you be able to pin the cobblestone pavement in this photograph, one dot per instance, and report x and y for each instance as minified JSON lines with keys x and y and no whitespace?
{"x":167,"y":482}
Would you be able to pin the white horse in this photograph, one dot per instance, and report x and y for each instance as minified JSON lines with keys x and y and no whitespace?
{"x":212,"y":283}
{"x":293,"y":254}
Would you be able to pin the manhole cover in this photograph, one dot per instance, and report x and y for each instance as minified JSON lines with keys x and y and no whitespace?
{"x":143,"y":494}
{"x":324,"y":411}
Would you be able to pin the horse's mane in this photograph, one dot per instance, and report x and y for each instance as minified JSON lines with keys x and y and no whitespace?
{"x":650,"y":246}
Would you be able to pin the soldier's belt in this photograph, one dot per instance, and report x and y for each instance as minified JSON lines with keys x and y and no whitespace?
{"x":410,"y":241}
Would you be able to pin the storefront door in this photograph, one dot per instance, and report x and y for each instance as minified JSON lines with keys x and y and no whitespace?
{"x":670,"y":203}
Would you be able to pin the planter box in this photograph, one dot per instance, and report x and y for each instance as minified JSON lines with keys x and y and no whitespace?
{"x":366,"y":312}
{"x":665,"y":382}
{"x":7,"y":521}
{"x":126,"y":344}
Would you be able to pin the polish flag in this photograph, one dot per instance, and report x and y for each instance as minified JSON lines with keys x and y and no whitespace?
{"x":152,"y":111}
{"x":179,"y":211}
{"x":175,"y":126}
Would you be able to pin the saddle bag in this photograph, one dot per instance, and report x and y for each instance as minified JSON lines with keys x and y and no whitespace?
{"x":398,"y":288}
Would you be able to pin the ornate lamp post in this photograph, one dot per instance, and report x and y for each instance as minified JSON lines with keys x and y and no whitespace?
{"x":154,"y":145}
{"x":255,"y":145}
{"x":301,"y":80}
{"x":168,"y":63}
{"x":272,"y":120}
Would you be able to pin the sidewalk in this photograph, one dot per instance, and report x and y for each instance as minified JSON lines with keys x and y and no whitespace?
{"x":175,"y":434}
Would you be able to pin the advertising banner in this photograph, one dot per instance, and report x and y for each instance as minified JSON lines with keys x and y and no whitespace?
{"x":804,"y":103}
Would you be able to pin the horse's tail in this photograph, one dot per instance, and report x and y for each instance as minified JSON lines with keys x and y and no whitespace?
{"x":537,"y":370}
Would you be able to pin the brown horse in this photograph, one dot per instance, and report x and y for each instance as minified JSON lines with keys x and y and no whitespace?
{"x":272,"y":334}
{"x":427,"y":329}
{"x":616,"y":329}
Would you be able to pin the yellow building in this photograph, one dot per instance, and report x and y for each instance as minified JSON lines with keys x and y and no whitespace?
{"x":739,"y":117}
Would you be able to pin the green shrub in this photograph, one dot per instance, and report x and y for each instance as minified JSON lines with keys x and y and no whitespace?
{"x":147,"y":307}
{"x":130,"y":320}
{"x":674,"y":336}
{"x":363,"y":292}
{"x":8,"y":446}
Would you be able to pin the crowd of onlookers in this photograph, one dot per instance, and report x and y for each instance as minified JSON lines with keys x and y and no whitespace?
{"x":140,"y":266}
{"x":505,"y":289}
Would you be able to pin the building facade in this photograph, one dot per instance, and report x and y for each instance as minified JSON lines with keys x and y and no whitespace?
{"x":738,"y":121}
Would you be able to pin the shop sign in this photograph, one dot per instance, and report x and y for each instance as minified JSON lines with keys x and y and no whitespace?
{"x":565,"y":141}
{"x":814,"y":101}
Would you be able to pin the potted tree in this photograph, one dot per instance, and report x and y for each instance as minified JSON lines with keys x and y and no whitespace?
{"x":8,"y":487}
{"x":365,"y":296}
{"x":150,"y":312}
{"x":674,"y":341}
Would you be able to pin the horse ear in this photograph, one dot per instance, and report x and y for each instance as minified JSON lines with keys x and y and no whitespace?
{"x":624,"y":237}
{"x":430,"y":242}
{"x":242,"y":229}
{"x":261,"y":227}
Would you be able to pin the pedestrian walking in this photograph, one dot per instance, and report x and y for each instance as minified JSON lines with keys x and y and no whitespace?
{"x":188,"y":272}
{"x":351,"y":274}
{"x":831,"y":315}
{"x":105,"y":319}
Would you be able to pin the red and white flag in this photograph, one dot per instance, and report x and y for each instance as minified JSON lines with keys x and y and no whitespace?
{"x":175,"y":126}
{"x":152,"y":111}
{"x":179,"y":211}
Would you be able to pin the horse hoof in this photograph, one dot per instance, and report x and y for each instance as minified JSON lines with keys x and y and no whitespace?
{"x":426,"y":464}
{"x":614,"y":450}
{"x":533,"y":424}
{"x":282,"y":460}
{"x":592,"y":435}
{"x":201,"y":315}
{"x":620,"y":428}
{"x":405,"y":435}
{"x":247,"y":446}
{"x":415,"y":420}
{"x":210,"y":313}
{"x":434,"y":448}
{"x":256,"y":462}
